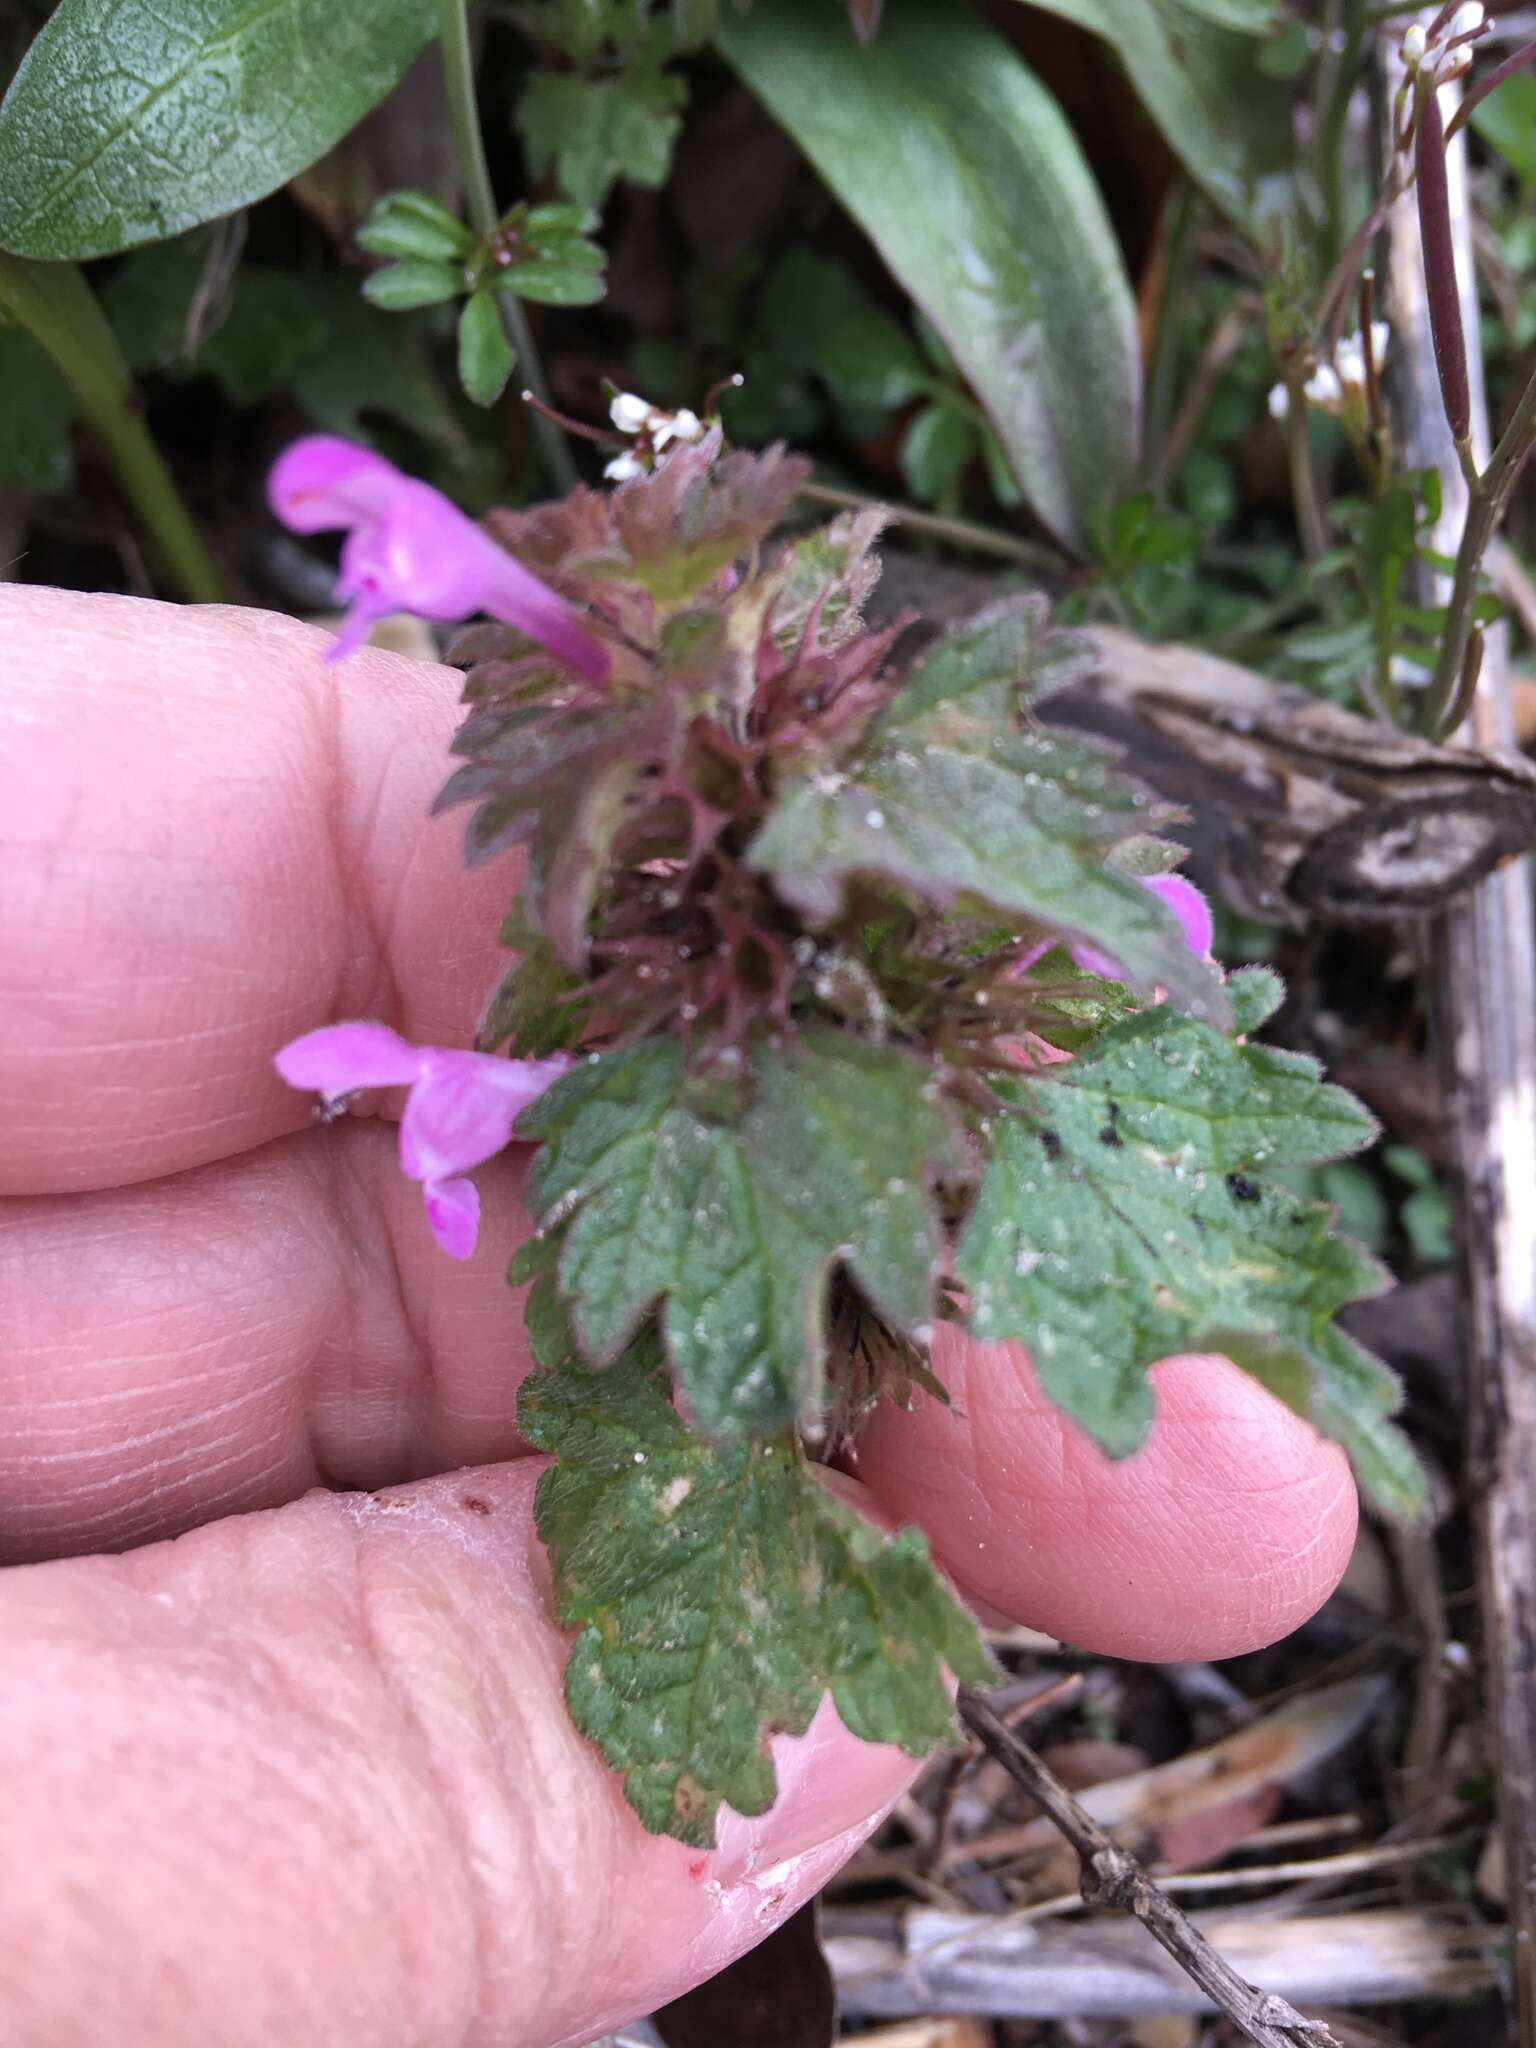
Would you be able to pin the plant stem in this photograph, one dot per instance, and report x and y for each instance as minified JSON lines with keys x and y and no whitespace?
{"x":59,"y":309}
{"x":960,"y":533}
{"x":469,"y":146}
{"x":1310,"y":523}
{"x":1162,"y":367}
{"x":1485,"y":508}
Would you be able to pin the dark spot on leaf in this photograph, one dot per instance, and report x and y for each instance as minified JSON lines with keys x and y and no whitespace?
{"x":1241,"y":1189}
{"x":1110,"y":1135}
{"x":476,"y":1504}
{"x":1052,"y":1144}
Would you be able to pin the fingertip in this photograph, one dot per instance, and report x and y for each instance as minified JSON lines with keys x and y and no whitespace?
{"x":1225,"y":1531}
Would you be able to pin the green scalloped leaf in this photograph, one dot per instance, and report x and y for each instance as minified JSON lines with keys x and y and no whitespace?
{"x":1125,"y":1216}
{"x":720,"y":1592}
{"x":733,"y":1213}
{"x":958,"y":797}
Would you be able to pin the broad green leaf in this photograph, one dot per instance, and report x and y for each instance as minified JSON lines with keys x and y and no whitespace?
{"x":413,"y":281}
{"x":594,"y":131}
{"x":366,"y":362}
{"x":734,"y":1217}
{"x":37,"y":410}
{"x":957,"y":797}
{"x":1204,"y":85}
{"x":486,"y":357}
{"x":720,"y":1592}
{"x":130,"y":120}
{"x":1126,"y":1215}
{"x":962,"y":170}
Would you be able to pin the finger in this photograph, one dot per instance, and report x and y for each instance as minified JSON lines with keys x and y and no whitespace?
{"x":309,"y":1777}
{"x":212,"y":843}
{"x":1231,"y":1524}
{"x":224,"y":1339}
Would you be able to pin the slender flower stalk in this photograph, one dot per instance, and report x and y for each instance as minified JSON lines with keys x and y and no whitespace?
{"x":469,"y":146}
{"x":409,"y":548}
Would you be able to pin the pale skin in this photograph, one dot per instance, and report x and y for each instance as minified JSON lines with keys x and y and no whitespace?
{"x":303,"y":1773}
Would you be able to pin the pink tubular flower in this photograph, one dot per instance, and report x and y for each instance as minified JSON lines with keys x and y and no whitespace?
{"x":1181,"y":897}
{"x":1187,"y":905}
{"x":410,"y":549}
{"x":460,"y":1111}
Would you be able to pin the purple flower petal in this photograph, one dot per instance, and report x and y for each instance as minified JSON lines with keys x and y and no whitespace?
{"x":323,"y":482}
{"x":453,"y":1211}
{"x":411,"y":549}
{"x":462,"y":1110}
{"x":1181,"y":897}
{"x":1189,"y":907}
{"x":340,"y":1058}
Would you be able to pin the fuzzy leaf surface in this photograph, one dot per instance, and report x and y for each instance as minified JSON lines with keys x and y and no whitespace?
{"x":720,"y":1592}
{"x":129,"y":120}
{"x":958,"y":797}
{"x":734,"y":1215}
{"x":1125,"y":1216}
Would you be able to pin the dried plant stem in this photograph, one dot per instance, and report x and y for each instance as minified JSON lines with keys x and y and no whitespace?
{"x":1112,"y":1877}
{"x":960,"y":533}
{"x":1488,"y":499}
{"x":1485,"y":950}
{"x":469,"y":146}
{"x":59,"y":309}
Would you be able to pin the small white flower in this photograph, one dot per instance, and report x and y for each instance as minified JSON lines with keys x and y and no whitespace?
{"x":1467,"y":19}
{"x":1279,"y":402}
{"x":677,"y":426}
{"x":1324,"y":388}
{"x":1454,"y":65}
{"x":624,"y":467}
{"x":1414,"y":45}
{"x":629,"y":413}
{"x":1381,"y":340}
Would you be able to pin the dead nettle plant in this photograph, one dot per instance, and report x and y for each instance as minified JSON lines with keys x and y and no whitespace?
{"x":847,"y":1000}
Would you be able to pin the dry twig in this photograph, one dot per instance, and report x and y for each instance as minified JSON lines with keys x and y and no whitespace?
{"x":1112,"y":1877}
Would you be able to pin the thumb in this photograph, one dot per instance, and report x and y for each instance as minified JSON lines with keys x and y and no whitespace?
{"x":309,"y":1776}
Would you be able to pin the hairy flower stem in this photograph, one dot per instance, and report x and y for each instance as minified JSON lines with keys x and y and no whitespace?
{"x":1485,"y":508}
{"x":59,"y":309}
{"x":469,"y":146}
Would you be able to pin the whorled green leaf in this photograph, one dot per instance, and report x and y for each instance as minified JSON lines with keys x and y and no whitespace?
{"x":1125,"y":1215}
{"x":130,"y":120}
{"x":413,"y":281}
{"x":720,"y":1592}
{"x":1195,"y":65}
{"x":957,"y":797}
{"x":733,"y":1212}
{"x":963,"y":171}
{"x":486,"y":357}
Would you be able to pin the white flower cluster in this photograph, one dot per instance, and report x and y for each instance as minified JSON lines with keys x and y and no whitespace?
{"x":1333,"y":386}
{"x":654,"y":430}
{"x":1447,"y":54}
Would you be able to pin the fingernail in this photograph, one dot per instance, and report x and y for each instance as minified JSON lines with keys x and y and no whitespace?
{"x":830,"y":1784}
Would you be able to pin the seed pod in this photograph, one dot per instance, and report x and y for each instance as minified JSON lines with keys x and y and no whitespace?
{"x":1440,"y":269}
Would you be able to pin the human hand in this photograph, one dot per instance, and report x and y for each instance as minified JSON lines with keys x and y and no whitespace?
{"x":305,"y":1774}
